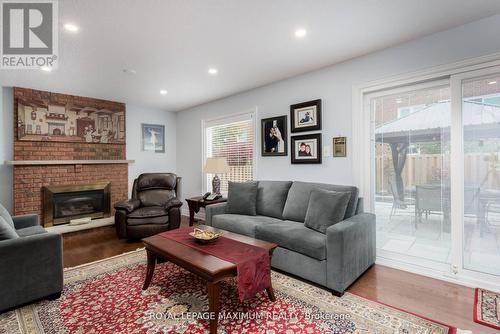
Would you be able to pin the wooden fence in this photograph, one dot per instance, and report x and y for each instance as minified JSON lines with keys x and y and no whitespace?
{"x":480,"y":169}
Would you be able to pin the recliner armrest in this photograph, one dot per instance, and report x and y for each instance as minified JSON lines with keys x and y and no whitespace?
{"x":128,"y":205}
{"x":23,"y":221}
{"x":173,"y":203}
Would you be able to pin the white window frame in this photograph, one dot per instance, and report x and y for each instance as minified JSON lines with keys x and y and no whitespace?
{"x":363,"y":165}
{"x":229,"y":118}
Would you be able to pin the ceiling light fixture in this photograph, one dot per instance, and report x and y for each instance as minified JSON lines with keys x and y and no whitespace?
{"x":163,"y":92}
{"x":399,"y":100}
{"x":129,"y":71}
{"x":300,"y":33}
{"x":71,"y":27}
{"x":46,"y":69}
{"x":492,"y":82}
{"x":212,"y":71}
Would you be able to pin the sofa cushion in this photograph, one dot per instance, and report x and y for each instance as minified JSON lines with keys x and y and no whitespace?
{"x":241,"y":224}
{"x":300,"y":192}
{"x":242,"y":198}
{"x":148,"y":215}
{"x":150,"y":181}
{"x":6,"y":215}
{"x":155,"y":197}
{"x":6,"y":231}
{"x":325,"y":209}
{"x":271,"y":198}
{"x":149,"y":212}
{"x":295,"y":237}
{"x":32,"y":230}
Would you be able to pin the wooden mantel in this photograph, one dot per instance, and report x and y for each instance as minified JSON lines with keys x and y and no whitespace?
{"x":65,"y":162}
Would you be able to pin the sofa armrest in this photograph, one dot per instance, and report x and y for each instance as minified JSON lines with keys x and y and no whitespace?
{"x":212,"y":210}
{"x":128,"y":205}
{"x":173,"y":203}
{"x":24,"y":221}
{"x":351,"y":249}
{"x":35,"y":268}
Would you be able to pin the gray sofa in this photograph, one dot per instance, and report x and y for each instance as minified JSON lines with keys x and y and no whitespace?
{"x":31,"y":263}
{"x":334,"y":259}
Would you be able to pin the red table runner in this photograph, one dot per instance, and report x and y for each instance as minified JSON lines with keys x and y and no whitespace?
{"x":252,"y":262}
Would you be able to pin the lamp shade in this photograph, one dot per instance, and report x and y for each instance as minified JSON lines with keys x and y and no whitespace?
{"x":216,"y":166}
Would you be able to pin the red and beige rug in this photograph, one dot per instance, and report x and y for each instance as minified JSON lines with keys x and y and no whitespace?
{"x":487,"y":308}
{"x":106,"y":297}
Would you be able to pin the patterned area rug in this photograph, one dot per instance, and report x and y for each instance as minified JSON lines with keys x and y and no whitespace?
{"x":106,"y":297}
{"x":487,"y":308}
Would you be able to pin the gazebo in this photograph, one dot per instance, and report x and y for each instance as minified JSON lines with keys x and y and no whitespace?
{"x":431,"y":124}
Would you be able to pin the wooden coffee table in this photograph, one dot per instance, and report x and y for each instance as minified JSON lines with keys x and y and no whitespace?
{"x":208,"y":267}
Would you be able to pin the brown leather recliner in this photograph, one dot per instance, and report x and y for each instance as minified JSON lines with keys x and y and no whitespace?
{"x":153,"y":208}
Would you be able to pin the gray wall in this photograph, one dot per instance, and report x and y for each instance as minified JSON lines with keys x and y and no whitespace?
{"x":149,"y":161}
{"x":6,"y":145}
{"x":334,"y":86}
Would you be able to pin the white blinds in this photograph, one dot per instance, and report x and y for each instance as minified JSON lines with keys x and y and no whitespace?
{"x":233,"y":139}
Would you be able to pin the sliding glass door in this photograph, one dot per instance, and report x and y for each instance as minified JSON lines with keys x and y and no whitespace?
{"x":435,"y":177}
{"x":412,"y":181}
{"x":479,"y":177}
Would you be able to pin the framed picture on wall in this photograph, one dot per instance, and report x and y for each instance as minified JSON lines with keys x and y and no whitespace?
{"x":153,"y":138}
{"x":339,"y":147}
{"x":274,"y":136}
{"x":306,"y":149}
{"x":305,"y":116}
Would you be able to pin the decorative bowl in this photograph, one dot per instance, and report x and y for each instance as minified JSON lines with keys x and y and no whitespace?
{"x":204,"y":236}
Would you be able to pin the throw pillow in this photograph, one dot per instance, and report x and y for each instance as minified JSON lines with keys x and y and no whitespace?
{"x":7,"y":231}
{"x":242,"y":198}
{"x":325,"y":209}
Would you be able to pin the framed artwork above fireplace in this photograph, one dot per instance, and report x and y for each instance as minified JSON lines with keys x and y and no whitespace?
{"x":62,"y":118}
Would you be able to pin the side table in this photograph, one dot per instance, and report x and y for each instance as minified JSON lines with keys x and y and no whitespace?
{"x":195,"y":203}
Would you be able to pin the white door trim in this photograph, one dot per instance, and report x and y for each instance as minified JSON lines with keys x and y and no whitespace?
{"x":363,"y":173}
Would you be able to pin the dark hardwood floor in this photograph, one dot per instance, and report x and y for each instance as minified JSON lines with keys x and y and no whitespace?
{"x":446,"y":302}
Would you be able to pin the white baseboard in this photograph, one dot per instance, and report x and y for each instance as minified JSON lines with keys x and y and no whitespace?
{"x":436,"y":274}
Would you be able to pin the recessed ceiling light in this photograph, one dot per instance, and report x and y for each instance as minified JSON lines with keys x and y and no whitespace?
{"x":163,"y":92}
{"x":129,"y":71}
{"x":46,"y":69}
{"x":212,"y":71}
{"x":71,"y":27}
{"x":492,"y":82}
{"x":300,"y":33}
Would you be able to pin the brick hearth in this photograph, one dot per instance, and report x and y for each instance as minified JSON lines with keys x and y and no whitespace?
{"x":29,"y":180}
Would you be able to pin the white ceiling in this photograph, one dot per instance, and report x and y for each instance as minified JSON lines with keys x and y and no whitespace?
{"x":172,"y":43}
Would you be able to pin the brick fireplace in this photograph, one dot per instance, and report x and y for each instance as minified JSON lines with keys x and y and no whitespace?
{"x":39,"y":164}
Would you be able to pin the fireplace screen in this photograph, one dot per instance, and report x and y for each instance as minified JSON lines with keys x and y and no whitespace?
{"x":78,"y":203}
{"x":63,"y":203}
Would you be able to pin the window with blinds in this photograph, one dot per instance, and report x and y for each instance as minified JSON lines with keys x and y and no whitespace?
{"x":231,"y":138}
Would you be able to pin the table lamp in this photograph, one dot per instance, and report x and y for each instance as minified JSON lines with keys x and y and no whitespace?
{"x":216,"y":166}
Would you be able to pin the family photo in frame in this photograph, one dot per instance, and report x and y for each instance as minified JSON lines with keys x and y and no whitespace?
{"x":305,"y":116}
{"x":306,"y":149}
{"x":274,"y":136}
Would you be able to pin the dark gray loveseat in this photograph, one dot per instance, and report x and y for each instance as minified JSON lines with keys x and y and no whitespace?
{"x":31,"y":263}
{"x":334,"y":259}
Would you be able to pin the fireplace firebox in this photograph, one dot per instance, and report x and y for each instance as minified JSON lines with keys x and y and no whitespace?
{"x":65,"y":202}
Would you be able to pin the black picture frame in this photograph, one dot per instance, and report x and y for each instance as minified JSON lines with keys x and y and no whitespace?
{"x":267,"y":145}
{"x":316,"y":151}
{"x":299,"y":118}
